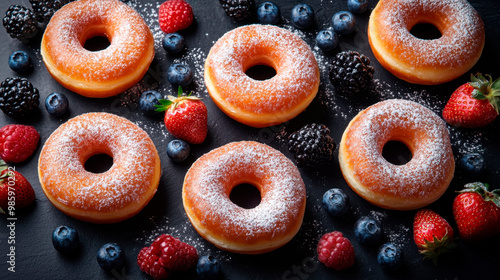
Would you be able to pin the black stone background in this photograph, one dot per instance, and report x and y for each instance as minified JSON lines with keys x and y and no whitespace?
{"x":35,"y":258}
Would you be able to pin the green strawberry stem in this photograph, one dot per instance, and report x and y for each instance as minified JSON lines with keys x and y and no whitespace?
{"x":486,"y":88}
{"x":433,"y":249}
{"x":482,"y":190}
{"x":172,"y":101}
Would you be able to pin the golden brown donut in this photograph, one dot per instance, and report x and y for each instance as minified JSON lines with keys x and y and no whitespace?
{"x":271,"y":224}
{"x":101,"y":73}
{"x":261,"y":103}
{"x":424,"y":61}
{"x":108,"y":197}
{"x":415,"y":184}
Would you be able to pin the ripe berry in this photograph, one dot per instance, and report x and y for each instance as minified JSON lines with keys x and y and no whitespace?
{"x":351,"y":72}
{"x":327,"y":40}
{"x":178,"y":150}
{"x":175,"y":15}
{"x":18,"y":97}
{"x":336,"y":202}
{"x":208,"y":268}
{"x":268,"y":13}
{"x":343,"y":22}
{"x":368,"y":231}
{"x":57,"y":104}
{"x":173,"y":42}
{"x":312,"y":145}
{"x":147,"y":102}
{"x":65,"y":239}
{"x":20,"y":62}
{"x":238,"y":10}
{"x":21,"y":23}
{"x":179,"y":75}
{"x":44,"y":9}
{"x":111,"y":257}
{"x":18,"y":142}
{"x":357,"y":6}
{"x":335,"y":251}
{"x":473,"y":164}
{"x":390,"y":256}
{"x":302,"y":16}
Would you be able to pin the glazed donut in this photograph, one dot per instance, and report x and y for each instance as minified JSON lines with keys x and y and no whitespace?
{"x":415,"y":184}
{"x":271,"y":224}
{"x":101,"y":73}
{"x":421,"y":61}
{"x":261,"y":103}
{"x":112,"y":196}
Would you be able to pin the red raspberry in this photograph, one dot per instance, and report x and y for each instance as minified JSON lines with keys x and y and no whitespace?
{"x":165,"y":255}
{"x":175,"y":15}
{"x":335,"y":251}
{"x":18,"y":142}
{"x":148,"y":263}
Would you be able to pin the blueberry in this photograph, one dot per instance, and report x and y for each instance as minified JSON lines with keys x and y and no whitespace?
{"x":65,"y":239}
{"x":336,"y":202}
{"x":57,"y":104}
{"x":179,"y":75}
{"x":147,"y":102}
{"x":357,"y":6}
{"x":20,"y":62}
{"x":368,"y":231}
{"x":268,"y":13}
{"x":178,"y":150}
{"x":327,"y":40}
{"x":390,"y":256}
{"x":343,"y":22}
{"x":473,"y":164}
{"x":208,"y":268}
{"x":111,"y":257}
{"x":302,"y":16}
{"x":173,"y":42}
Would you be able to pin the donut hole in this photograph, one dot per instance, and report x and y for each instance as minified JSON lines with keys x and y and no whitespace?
{"x":245,"y":196}
{"x":96,"y":43}
{"x":426,"y":31}
{"x":261,"y":72}
{"x":99,"y":163}
{"x":397,"y":153}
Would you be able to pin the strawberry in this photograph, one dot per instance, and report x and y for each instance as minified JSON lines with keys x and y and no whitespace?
{"x":477,"y":212}
{"x":335,"y":251}
{"x":15,"y":190}
{"x":166,"y":254}
{"x":18,"y":142}
{"x":175,"y":15}
{"x":185,"y":117}
{"x":474,"y":104}
{"x":432,"y":234}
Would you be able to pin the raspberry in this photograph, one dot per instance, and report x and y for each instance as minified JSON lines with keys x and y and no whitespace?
{"x":175,"y":15}
{"x":166,"y":254}
{"x":335,"y":251}
{"x":18,"y":142}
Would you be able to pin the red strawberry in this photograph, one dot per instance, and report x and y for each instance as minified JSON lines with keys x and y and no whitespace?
{"x":166,"y":254}
{"x":477,"y":212}
{"x":185,"y":117}
{"x":474,"y":104}
{"x":15,"y":190}
{"x":432,"y":234}
{"x":335,"y":251}
{"x":18,"y":142}
{"x":175,"y":15}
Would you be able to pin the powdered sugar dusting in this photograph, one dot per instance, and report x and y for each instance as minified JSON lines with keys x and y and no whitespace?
{"x":65,"y":152}
{"x":211,"y":177}
{"x":243,"y":47}
{"x":400,"y":120}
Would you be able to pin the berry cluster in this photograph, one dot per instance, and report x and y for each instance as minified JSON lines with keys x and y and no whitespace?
{"x":351,"y":72}
{"x":312,"y":145}
{"x":18,"y":97}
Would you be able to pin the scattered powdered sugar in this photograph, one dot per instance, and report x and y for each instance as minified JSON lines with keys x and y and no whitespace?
{"x":207,"y":186}
{"x":398,"y":235}
{"x":62,"y":162}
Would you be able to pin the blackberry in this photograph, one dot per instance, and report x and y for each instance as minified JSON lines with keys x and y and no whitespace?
{"x":44,"y":9}
{"x":351,"y":72}
{"x":20,"y":22}
{"x":312,"y":145}
{"x":18,"y":97}
{"x":238,"y":10}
